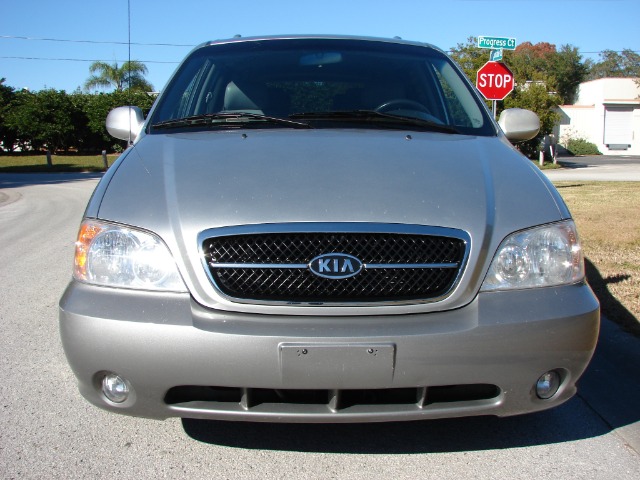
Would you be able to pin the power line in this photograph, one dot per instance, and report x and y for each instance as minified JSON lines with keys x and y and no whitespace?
{"x":111,"y":42}
{"x":80,"y":60}
{"x":100,"y":42}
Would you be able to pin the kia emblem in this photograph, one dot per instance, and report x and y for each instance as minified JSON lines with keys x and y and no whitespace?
{"x":335,"y":266}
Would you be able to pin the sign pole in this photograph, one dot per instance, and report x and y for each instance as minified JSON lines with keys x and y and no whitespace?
{"x":494,"y":109}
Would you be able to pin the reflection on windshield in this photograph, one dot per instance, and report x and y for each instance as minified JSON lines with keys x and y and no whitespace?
{"x":284,"y":79}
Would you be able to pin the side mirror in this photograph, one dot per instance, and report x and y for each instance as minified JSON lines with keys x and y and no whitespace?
{"x":125,"y":123}
{"x":519,"y":125}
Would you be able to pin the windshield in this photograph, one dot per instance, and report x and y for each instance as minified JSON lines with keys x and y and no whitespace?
{"x":322,"y":83}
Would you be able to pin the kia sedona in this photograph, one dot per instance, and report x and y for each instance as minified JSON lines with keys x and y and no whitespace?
{"x":325,"y":229}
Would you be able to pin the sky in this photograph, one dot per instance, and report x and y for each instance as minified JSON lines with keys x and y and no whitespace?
{"x":51,"y":43}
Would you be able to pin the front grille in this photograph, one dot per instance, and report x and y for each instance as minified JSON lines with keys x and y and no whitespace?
{"x":274,"y":266}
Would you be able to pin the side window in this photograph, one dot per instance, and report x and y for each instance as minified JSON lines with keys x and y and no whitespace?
{"x":196,"y":95}
{"x":188,"y":94}
{"x":184,"y":106}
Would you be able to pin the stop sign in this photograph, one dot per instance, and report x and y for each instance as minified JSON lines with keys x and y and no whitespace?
{"x":495,"y":81}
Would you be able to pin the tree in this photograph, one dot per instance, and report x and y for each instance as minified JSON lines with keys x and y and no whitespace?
{"x":561,"y":71}
{"x":530,"y":63}
{"x":469,"y":57}
{"x":544,"y":78}
{"x":568,"y":71}
{"x":614,"y":64}
{"x":8,"y":134}
{"x":129,"y":75}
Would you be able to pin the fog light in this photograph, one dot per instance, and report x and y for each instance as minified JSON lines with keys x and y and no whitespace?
{"x":548,"y":384}
{"x":115,"y":388}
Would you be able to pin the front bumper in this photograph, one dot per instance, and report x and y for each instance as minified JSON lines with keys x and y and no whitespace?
{"x":182,"y":360}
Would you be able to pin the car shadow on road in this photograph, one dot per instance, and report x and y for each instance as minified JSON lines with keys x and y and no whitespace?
{"x":610,"y":305}
{"x":572,"y":421}
{"x":606,"y":402}
{"x":608,"y":399}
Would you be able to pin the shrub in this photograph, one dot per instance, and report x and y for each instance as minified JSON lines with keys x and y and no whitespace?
{"x":579,"y":146}
{"x":56,"y":120}
{"x":537,"y":99}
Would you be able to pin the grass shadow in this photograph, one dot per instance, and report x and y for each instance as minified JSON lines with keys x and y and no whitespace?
{"x":55,"y":168}
{"x":17,"y":180}
{"x":564,"y":163}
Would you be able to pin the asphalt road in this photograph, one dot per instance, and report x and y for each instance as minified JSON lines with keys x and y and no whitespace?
{"x":48,"y":431}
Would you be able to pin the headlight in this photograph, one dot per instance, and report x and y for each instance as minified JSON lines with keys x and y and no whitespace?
{"x":540,"y":257}
{"x":118,"y":256}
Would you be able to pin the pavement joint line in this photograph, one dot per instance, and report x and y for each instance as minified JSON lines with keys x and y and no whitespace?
{"x":611,"y":427}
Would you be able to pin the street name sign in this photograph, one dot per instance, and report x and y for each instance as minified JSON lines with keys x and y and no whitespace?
{"x":495,"y":81}
{"x":496,"y":42}
{"x":495,"y":55}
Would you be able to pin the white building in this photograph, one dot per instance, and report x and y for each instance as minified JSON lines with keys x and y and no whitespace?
{"x":607,"y":113}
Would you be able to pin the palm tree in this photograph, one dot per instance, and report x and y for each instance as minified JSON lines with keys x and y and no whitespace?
{"x":129,"y":75}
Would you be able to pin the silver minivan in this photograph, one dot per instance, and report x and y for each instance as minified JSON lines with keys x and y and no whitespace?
{"x":325,"y":229}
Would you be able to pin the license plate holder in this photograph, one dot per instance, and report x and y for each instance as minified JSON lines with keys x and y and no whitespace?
{"x":318,"y":365}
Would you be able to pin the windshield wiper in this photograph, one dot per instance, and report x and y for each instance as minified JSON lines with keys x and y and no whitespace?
{"x":376,"y":117}
{"x":228,"y":119}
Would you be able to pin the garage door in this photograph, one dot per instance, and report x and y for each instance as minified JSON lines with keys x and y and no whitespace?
{"x":618,"y":127}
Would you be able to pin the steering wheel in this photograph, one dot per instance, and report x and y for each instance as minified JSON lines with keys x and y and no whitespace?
{"x":401,"y":104}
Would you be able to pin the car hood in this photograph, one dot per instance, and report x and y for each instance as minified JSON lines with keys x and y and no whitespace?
{"x":180,"y":184}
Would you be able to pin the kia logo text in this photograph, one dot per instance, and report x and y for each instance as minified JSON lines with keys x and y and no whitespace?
{"x":335,"y":266}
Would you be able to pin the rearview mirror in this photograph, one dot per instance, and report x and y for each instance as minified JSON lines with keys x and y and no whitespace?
{"x":519,"y":125}
{"x":125,"y":123}
{"x":319,"y":59}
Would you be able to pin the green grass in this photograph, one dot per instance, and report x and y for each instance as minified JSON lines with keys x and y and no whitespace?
{"x":60,"y":163}
{"x":548,"y":165}
{"x":606,"y":214}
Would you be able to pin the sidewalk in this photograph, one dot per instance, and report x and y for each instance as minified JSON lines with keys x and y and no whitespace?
{"x":609,"y":172}
{"x":597,"y":168}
